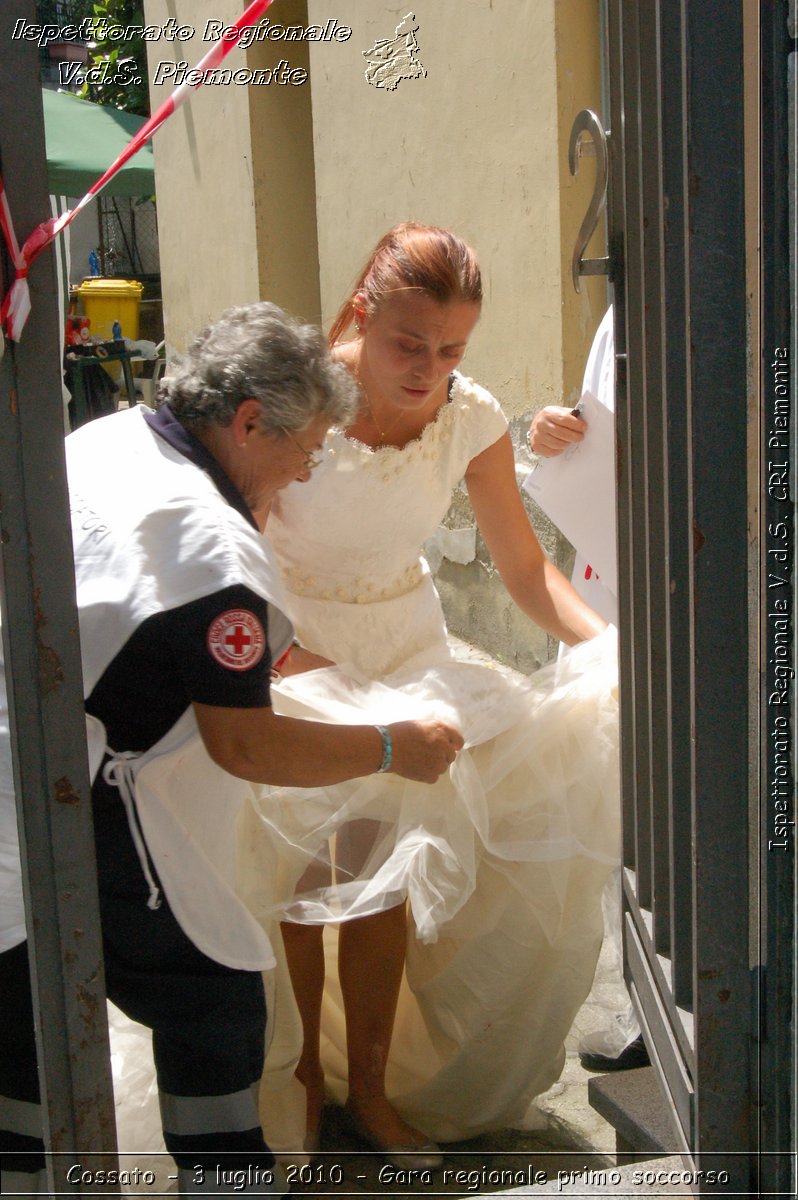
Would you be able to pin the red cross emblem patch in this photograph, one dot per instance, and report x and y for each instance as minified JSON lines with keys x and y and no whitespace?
{"x":236,"y":639}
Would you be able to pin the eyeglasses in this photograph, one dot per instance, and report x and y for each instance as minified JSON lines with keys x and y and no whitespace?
{"x":312,"y":457}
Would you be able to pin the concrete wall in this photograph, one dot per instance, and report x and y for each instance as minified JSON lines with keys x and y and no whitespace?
{"x":234,"y":178}
{"x":203,"y":180}
{"x":471,"y":146}
{"x":284,"y":187}
{"x":578,"y":87}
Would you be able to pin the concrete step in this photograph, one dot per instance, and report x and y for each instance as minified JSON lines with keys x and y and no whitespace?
{"x":632,"y":1102}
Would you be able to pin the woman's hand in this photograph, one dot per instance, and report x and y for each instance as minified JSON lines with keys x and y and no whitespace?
{"x":423,"y":750}
{"x":554,"y":429}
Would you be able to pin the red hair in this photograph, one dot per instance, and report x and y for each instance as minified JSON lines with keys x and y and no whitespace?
{"x":425,"y":257}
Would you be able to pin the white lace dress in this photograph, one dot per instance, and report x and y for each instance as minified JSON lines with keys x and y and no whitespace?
{"x":502,"y":862}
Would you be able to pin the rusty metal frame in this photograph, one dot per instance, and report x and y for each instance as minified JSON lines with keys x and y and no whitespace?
{"x":42,"y":657}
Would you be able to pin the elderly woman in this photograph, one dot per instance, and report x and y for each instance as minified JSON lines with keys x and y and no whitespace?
{"x":180,"y":622}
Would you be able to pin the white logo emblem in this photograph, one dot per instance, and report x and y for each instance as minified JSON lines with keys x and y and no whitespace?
{"x":236,"y":639}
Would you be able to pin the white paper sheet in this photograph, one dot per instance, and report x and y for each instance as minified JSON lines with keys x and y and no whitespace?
{"x":576,"y":489}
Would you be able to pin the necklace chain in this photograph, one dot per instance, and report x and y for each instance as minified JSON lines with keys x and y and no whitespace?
{"x":381,"y":433}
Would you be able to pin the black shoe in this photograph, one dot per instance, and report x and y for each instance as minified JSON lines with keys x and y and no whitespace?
{"x":633,"y":1056}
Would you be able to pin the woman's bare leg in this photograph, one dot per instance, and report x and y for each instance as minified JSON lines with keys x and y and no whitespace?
{"x":371,"y":957}
{"x":304,"y":950}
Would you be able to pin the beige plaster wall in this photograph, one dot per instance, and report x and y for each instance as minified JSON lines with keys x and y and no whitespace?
{"x":470,"y":147}
{"x":578,"y":86}
{"x":203,"y":173}
{"x":246,"y":176}
{"x":234,"y":178}
{"x":281,"y":128}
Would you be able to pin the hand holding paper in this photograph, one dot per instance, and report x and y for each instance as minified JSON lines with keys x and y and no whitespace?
{"x":576,"y":490}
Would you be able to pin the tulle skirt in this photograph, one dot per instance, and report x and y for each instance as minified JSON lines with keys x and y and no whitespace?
{"x":501,"y":864}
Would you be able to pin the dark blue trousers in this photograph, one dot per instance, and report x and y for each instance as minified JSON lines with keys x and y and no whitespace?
{"x":208,"y":1021}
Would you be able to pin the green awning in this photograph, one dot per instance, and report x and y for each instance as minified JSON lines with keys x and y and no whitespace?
{"x":83,"y":139}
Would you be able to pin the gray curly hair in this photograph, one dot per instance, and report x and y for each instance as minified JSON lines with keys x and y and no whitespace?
{"x":258,"y":351}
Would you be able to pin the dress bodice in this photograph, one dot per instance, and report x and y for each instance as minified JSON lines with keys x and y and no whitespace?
{"x":354,"y":532}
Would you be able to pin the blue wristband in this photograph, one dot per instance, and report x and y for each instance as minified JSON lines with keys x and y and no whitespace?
{"x":387,"y":749}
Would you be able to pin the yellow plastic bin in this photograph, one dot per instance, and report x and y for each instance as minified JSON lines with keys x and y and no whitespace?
{"x":108,"y":300}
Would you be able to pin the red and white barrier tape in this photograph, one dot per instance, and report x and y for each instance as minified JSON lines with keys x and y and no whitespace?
{"x":16,"y":305}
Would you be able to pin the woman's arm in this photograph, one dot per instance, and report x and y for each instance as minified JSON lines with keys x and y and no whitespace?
{"x":259,"y":745}
{"x":532,"y":580}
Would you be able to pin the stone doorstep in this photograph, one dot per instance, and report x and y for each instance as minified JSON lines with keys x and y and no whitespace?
{"x":631,"y":1101}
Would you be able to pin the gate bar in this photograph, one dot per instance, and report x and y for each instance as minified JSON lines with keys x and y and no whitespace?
{"x":42,"y":656}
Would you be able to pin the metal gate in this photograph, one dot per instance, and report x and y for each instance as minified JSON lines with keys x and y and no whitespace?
{"x":42,"y":662}
{"x":709,"y":873}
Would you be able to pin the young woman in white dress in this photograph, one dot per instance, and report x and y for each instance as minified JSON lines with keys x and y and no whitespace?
{"x":490,"y":882}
